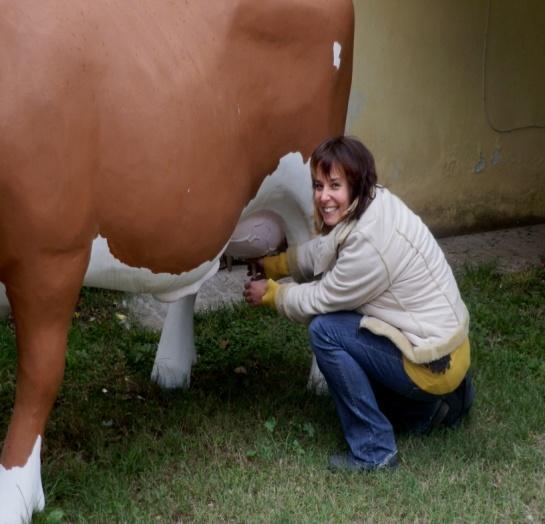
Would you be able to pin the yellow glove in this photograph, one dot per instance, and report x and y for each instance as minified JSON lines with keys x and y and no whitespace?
{"x":270,"y":293}
{"x":276,"y":267}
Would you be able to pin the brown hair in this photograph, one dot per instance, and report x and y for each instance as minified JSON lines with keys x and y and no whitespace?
{"x":351,"y":157}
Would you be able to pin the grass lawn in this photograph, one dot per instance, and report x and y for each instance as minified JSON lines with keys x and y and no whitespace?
{"x":248,"y":443}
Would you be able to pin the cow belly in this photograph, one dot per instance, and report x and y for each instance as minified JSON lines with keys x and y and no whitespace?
{"x":106,"y":271}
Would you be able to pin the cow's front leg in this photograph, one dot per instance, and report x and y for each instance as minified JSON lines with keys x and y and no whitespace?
{"x":21,"y":492}
{"x":43,"y":291}
{"x":176,"y":352}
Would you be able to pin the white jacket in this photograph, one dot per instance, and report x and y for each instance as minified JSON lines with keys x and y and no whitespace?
{"x":387,"y":266}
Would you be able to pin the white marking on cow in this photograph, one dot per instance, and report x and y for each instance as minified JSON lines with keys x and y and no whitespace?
{"x":106,"y":271}
{"x":337,"y":54}
{"x":21,"y":491}
{"x":288,"y":192}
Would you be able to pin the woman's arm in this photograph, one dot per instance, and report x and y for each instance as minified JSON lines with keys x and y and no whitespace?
{"x":359,"y":275}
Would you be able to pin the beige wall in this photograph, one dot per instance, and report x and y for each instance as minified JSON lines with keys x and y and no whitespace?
{"x":418,"y":102}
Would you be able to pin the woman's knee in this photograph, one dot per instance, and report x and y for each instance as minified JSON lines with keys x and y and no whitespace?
{"x":324,"y":327}
{"x":327,"y":330}
{"x":318,"y":330}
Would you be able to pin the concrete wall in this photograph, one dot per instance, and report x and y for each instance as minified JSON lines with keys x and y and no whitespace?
{"x":449,"y":95}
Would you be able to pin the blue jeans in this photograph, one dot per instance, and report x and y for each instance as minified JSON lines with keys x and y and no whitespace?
{"x":365,"y":376}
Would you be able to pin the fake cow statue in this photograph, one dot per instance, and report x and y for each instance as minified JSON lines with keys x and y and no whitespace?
{"x":143,"y":128}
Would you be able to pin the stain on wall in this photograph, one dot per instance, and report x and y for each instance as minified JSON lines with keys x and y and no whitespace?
{"x":480,"y":166}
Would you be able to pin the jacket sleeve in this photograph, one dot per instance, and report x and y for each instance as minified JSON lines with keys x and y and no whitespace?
{"x":301,"y":260}
{"x":358,"y":276}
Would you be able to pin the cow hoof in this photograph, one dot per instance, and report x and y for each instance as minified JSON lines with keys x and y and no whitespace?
{"x":21,"y":492}
{"x":170,"y":377}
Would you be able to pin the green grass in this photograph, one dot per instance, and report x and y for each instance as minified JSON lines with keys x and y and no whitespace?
{"x":248,"y":443}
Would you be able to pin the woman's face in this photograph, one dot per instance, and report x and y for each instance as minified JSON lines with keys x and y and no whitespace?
{"x":331,"y":196}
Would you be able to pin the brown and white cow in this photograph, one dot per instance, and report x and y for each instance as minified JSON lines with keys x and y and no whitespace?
{"x":149,"y":124}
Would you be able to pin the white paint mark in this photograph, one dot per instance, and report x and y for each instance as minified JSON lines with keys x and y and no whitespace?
{"x":337,"y":54}
{"x":356,"y":105}
{"x":21,"y":492}
{"x":238,"y":109}
{"x":480,"y":166}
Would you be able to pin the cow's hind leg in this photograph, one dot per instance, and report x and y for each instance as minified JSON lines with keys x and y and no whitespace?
{"x":43,"y":290}
{"x":176,"y":353}
{"x":316,"y":381}
{"x":4,"y":303}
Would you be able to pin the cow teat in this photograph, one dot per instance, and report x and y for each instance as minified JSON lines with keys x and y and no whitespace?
{"x":258,"y":235}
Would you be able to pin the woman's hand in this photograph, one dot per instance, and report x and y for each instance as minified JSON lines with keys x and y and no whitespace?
{"x":254,"y":290}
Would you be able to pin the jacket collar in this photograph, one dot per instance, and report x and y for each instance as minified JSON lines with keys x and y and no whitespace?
{"x":327,"y":248}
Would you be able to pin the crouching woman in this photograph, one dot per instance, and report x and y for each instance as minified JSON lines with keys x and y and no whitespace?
{"x":386,"y":320}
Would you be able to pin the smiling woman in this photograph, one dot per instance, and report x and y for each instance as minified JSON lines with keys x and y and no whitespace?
{"x":386,"y":320}
{"x":343,"y":179}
